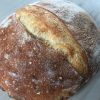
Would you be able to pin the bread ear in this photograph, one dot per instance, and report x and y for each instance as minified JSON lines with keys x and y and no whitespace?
{"x":47,"y":26}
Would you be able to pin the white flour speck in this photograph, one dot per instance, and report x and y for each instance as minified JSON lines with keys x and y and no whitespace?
{"x":38,"y":93}
{"x":6,"y":56}
{"x":7,"y":82}
{"x":60,"y":78}
{"x":13,"y":33}
{"x":12,"y":74}
{"x":24,"y":37}
{"x":30,"y":63}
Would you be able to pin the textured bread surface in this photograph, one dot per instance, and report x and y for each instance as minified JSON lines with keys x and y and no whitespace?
{"x":51,"y":29}
{"x":43,"y":54}
{"x":29,"y":68}
{"x":78,"y":21}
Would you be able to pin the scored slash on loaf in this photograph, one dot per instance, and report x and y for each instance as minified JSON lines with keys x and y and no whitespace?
{"x":53,"y":30}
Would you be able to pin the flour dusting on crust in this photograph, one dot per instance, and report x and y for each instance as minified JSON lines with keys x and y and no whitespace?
{"x":78,"y":21}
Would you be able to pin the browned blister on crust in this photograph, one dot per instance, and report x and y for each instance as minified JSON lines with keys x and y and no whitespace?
{"x":47,"y":26}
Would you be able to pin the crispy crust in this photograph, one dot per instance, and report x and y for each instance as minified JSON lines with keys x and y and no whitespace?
{"x":78,"y":21}
{"x":47,"y":26}
{"x":30,"y":69}
{"x":41,"y":57}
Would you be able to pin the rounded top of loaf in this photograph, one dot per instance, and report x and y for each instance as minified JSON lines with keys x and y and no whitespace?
{"x":46,"y":50}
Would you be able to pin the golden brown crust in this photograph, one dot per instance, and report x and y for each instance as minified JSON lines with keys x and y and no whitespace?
{"x":40,"y":58}
{"x":47,"y":26}
{"x":78,"y":22}
{"x":30,"y":69}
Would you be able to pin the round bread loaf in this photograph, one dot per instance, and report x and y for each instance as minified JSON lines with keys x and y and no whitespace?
{"x":46,"y":51}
